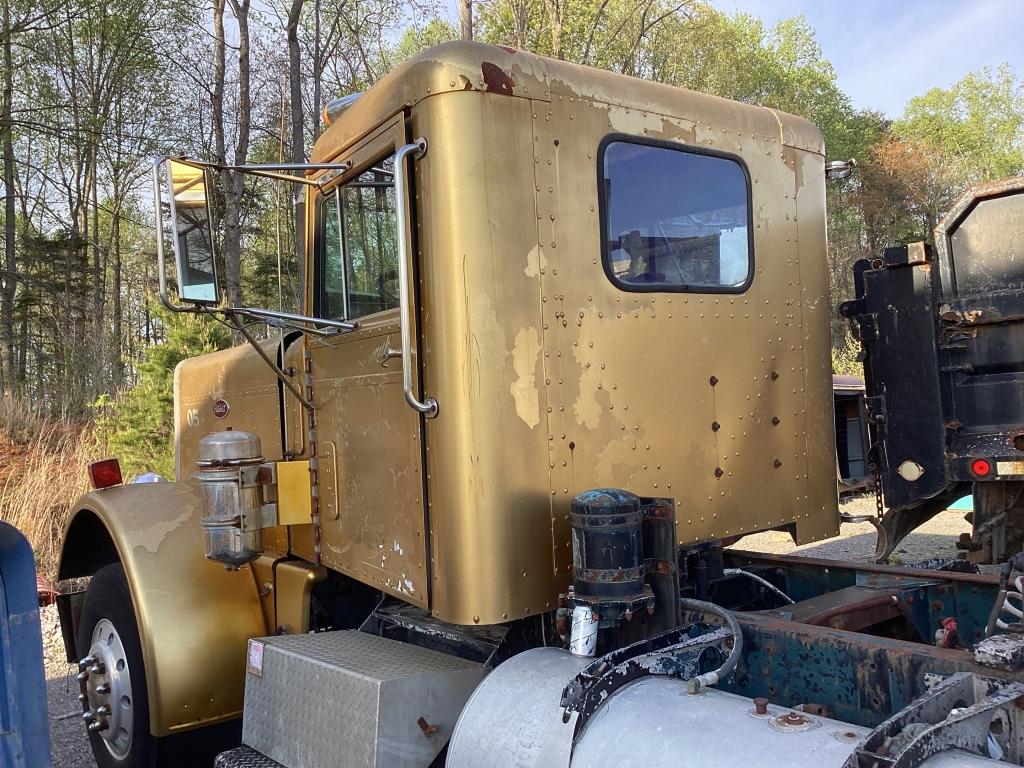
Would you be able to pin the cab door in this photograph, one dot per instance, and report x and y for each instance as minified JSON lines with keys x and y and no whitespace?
{"x":369,"y":441}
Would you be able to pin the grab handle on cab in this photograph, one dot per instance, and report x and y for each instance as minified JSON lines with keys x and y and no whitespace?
{"x":428,"y":406}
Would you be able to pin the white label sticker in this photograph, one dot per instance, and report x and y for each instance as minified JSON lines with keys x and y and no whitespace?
{"x":1010,"y":467}
{"x":254,"y":666}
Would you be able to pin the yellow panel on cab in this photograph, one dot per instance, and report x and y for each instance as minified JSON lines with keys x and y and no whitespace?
{"x":294,"y":506}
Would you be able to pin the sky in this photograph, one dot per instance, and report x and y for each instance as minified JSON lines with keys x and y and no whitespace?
{"x":885,"y":52}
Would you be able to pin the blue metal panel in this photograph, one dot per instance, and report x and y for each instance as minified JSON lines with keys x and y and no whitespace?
{"x":24,"y":738}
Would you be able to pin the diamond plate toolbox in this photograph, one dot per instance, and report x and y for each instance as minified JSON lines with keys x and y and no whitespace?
{"x":352,"y":699}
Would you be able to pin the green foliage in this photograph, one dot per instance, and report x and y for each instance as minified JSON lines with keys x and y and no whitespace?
{"x":844,"y":356}
{"x":976,"y":126}
{"x":138,"y":423}
{"x":696,"y":47}
{"x":417,"y":39}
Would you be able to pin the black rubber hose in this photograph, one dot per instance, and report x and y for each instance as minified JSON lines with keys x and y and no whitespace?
{"x":711,"y":678}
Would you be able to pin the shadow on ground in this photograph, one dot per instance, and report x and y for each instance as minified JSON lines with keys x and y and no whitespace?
{"x":68,"y":742}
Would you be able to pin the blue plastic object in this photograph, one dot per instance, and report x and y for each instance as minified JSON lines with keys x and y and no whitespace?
{"x":24,"y":736}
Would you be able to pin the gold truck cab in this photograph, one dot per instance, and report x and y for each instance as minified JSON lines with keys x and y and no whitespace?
{"x":607,"y":283}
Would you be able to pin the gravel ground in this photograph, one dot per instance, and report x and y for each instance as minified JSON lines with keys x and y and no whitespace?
{"x":68,"y":743}
{"x":935,"y":539}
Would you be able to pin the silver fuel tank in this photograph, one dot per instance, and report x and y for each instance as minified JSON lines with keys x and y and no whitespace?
{"x":513,"y":719}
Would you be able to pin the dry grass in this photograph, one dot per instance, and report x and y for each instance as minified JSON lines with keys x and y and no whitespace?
{"x":43,"y":469}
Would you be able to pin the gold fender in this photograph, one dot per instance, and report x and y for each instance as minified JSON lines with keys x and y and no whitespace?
{"x":194,"y":616}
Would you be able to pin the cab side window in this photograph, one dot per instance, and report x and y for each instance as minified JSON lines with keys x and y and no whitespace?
{"x":674,"y":219}
{"x":358,"y":268}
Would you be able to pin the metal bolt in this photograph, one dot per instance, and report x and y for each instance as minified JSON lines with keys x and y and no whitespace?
{"x":83,"y":698}
{"x":427,"y":728}
{"x":99,"y":725}
{"x":103,"y":688}
{"x":82,"y":676}
{"x":87,"y":661}
{"x":89,"y":716}
{"x":713,"y":380}
{"x":103,"y":711}
{"x":98,"y":668}
{"x":761,"y":705}
{"x":792,"y":719}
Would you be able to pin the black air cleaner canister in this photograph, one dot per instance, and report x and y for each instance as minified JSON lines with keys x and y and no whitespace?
{"x":607,"y":544}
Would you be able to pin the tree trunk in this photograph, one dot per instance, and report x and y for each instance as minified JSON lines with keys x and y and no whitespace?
{"x":235,"y":182}
{"x":118,"y":358}
{"x":555,"y":18}
{"x":466,"y":19}
{"x":9,"y":287}
{"x":98,"y":298}
{"x":298,"y":192}
{"x":520,"y":13}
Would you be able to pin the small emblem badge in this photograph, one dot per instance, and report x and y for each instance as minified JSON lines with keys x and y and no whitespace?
{"x":221,"y":408}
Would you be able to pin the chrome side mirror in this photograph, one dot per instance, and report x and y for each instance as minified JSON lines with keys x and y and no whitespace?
{"x":192,"y":233}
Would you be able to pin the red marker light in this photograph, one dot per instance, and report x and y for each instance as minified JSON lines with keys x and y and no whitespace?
{"x":981,"y":467}
{"x":103,"y":474}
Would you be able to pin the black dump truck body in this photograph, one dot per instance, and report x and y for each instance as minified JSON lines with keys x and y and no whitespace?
{"x":942,"y":329}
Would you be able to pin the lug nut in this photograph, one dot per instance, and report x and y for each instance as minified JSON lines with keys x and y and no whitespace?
{"x":89,"y":716}
{"x":97,"y":668}
{"x":761,"y":705}
{"x":82,"y":676}
{"x":99,"y":725}
{"x":87,"y":661}
{"x":103,"y":711}
{"x":103,"y":688}
{"x":83,"y":698}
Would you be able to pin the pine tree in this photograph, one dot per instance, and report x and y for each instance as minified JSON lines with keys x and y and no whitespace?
{"x":139,"y":423}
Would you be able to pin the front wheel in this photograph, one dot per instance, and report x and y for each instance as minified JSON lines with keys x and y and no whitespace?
{"x":114,"y":695}
{"x":111,"y":674}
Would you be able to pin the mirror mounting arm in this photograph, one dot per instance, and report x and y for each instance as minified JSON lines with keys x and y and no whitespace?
{"x":281,"y":375}
{"x":279,"y":171}
{"x":316,"y":326}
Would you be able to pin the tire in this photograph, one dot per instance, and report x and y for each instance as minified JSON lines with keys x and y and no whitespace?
{"x":108,"y":603}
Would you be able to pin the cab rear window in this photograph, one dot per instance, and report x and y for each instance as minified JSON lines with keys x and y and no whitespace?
{"x":674,"y":218}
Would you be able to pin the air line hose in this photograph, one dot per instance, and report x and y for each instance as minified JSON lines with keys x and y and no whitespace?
{"x":711,"y":678}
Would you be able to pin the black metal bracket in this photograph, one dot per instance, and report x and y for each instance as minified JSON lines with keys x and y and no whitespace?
{"x":682,"y":653}
{"x":958,"y":713}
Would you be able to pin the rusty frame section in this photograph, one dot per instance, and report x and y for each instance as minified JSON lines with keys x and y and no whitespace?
{"x":816,"y":652}
{"x":849,"y":595}
{"x":857,"y":678}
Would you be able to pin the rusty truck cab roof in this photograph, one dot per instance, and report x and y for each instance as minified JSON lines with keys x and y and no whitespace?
{"x":465,"y":66}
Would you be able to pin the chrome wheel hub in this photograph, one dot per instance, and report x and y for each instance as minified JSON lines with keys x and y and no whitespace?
{"x":106,"y":690}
